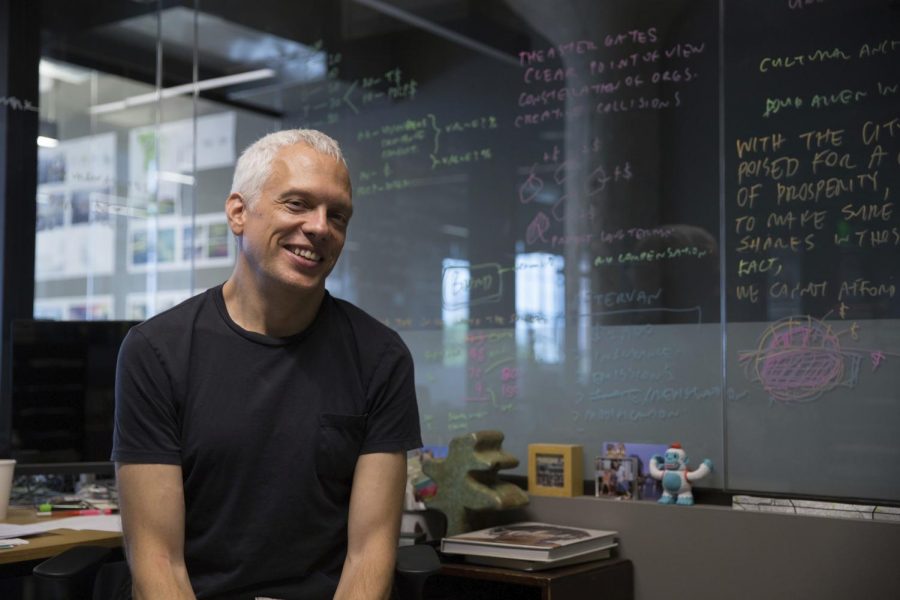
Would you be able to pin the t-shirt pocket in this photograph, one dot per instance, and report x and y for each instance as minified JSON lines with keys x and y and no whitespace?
{"x":340,"y":439}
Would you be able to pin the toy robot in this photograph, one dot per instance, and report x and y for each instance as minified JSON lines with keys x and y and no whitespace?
{"x":676,"y":480}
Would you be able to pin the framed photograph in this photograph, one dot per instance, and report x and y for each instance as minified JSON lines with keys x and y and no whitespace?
{"x":648,"y":488}
{"x":555,"y":470}
{"x":616,"y":477}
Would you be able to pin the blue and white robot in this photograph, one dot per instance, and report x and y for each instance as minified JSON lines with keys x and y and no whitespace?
{"x":676,"y":480}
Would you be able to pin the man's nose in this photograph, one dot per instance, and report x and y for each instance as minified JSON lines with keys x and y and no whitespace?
{"x":316,"y":223}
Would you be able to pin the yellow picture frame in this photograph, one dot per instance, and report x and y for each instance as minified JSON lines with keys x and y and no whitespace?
{"x":555,"y":470}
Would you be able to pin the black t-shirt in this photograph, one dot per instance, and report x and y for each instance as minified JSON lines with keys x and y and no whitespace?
{"x":267,"y":432}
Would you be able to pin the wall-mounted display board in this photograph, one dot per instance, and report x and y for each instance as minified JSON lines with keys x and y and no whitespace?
{"x":812,"y":170}
{"x":635,"y":221}
{"x":600,"y":221}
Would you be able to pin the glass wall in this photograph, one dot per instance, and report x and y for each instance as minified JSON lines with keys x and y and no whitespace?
{"x":141,"y":124}
{"x":591,"y":221}
{"x":521,"y":201}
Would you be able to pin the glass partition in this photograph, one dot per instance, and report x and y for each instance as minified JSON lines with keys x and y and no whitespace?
{"x":591,"y":221}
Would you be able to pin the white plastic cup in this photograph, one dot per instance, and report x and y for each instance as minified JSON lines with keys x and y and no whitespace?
{"x":7,"y":466}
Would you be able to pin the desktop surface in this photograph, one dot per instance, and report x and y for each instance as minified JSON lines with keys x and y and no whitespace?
{"x":50,"y":544}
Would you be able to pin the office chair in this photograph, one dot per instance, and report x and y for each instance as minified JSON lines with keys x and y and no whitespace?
{"x":88,"y":573}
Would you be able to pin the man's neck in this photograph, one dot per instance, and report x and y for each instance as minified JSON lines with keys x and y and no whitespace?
{"x":275,"y":312}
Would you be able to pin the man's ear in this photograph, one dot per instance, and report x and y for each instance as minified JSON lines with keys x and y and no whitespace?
{"x":236,"y":212}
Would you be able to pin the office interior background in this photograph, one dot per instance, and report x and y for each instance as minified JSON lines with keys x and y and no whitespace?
{"x":569,"y":210}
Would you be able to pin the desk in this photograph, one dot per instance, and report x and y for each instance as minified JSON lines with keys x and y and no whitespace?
{"x":51,"y":543}
{"x":611,"y":579}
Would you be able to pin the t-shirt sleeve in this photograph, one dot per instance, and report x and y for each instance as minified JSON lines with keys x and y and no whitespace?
{"x":392,"y":424}
{"x":146,"y":420}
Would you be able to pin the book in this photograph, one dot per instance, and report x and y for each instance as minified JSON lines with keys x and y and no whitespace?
{"x":540,"y":565}
{"x":528,"y":541}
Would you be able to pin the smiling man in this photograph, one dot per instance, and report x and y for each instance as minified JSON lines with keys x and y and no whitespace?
{"x":261,"y":426}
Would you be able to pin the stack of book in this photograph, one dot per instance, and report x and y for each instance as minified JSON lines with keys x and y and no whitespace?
{"x":531,"y":546}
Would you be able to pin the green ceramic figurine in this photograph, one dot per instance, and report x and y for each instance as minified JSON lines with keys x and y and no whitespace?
{"x":467,"y":479}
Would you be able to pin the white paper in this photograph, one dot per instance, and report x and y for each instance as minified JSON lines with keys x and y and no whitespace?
{"x":94,"y":523}
{"x":8,"y":530}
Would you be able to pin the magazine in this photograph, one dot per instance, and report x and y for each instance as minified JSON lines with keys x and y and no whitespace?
{"x":540,"y":565}
{"x":528,"y":541}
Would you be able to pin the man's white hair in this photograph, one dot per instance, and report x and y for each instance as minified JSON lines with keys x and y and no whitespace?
{"x":255,"y":164}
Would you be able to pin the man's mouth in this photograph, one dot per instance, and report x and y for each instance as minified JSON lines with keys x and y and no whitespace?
{"x":305,"y":253}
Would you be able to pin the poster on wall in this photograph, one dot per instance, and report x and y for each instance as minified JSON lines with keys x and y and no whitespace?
{"x":75,"y":237}
{"x":161,"y":159}
{"x":74,"y":308}
{"x":82,"y":161}
{"x":142,"y":305}
{"x":175,"y":243}
{"x":76,"y":251}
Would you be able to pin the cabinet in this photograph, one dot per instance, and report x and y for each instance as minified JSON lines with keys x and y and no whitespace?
{"x":611,"y":579}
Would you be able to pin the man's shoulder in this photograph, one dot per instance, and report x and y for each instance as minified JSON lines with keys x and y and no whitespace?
{"x":365,"y":325}
{"x":175,"y":320}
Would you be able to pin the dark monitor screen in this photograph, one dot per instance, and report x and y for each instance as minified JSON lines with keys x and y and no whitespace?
{"x":63,"y":380}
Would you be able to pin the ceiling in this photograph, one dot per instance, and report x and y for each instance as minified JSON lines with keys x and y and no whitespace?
{"x":130,"y":47}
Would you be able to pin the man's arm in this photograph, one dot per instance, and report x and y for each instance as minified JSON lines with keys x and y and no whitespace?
{"x":151,"y":500}
{"x":376,"y":505}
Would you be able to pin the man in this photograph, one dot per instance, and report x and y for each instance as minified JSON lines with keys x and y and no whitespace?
{"x":261,"y":427}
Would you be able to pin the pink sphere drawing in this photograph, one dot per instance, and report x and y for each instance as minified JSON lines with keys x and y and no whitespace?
{"x":798,"y":360}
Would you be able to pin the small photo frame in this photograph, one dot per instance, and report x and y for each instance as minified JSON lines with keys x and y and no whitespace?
{"x":648,"y":488}
{"x":555,"y":470}
{"x":616,"y":477}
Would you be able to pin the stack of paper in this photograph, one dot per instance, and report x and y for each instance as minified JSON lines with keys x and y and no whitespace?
{"x":94,"y":523}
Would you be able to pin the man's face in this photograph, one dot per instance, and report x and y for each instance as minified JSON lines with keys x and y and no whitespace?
{"x":293,"y":233}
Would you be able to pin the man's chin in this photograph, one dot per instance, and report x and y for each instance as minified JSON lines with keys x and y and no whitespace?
{"x":304,"y":283}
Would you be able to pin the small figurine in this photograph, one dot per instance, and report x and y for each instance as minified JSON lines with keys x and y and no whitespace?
{"x":467,"y":480}
{"x":676,"y":480}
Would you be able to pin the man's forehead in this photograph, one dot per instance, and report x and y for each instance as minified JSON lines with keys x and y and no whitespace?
{"x":303,"y":153}
{"x":300,"y":159}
